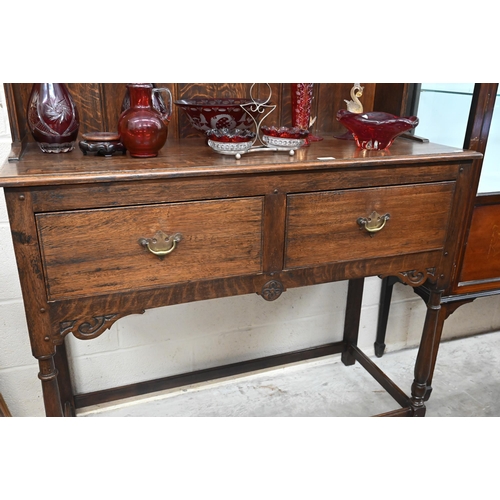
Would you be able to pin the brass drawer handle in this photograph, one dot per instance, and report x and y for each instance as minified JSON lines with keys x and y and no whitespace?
{"x":161,"y":243}
{"x":374,"y":223}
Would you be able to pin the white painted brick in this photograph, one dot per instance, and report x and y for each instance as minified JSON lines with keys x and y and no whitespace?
{"x":183,"y":321}
{"x":5,"y":146}
{"x":22,"y":391}
{"x":368,"y":328}
{"x":15,"y":349}
{"x":111,"y":369}
{"x":406,"y":320}
{"x":480,"y":316}
{"x":304,"y":302}
{"x":215,"y":317}
{"x":244,"y":344}
{"x":10,"y":287}
{"x":494,"y":312}
{"x":4,"y":120}
{"x":371,"y":291}
{"x":4,"y":217}
{"x":402,"y":293}
{"x":106,"y":342}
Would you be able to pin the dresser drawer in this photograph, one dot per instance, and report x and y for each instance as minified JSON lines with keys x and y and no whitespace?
{"x":323,"y":227}
{"x":92,"y":252}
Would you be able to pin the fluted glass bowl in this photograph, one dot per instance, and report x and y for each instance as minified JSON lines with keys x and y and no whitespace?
{"x":284,"y":138}
{"x":285,"y":132}
{"x":230,"y":142}
{"x":376,"y":129}
{"x":228,"y":135}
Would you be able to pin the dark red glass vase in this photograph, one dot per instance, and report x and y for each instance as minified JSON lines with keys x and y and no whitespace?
{"x":302,"y":96}
{"x":53,"y":117}
{"x":141,"y":127}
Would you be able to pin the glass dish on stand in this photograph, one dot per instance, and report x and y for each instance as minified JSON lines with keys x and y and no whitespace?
{"x":230,"y":142}
{"x":284,"y":138}
{"x":237,"y":143}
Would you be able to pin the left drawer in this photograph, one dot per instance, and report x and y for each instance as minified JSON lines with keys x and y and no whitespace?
{"x":93,"y":252}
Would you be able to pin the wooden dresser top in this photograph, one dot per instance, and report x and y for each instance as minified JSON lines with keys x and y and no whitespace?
{"x":193,"y":158}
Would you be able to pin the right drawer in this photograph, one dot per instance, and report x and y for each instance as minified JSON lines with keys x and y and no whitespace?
{"x":324,"y":227}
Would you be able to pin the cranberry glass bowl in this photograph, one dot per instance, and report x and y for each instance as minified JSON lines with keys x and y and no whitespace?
{"x":228,"y":135}
{"x":284,"y":138}
{"x":285,"y":132}
{"x":376,"y":129}
{"x":230,"y":142}
{"x":206,"y":114}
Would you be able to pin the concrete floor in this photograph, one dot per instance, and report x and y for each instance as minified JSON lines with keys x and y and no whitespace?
{"x":466,"y":384}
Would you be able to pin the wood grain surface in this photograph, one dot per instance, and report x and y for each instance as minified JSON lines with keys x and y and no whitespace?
{"x":322,"y":227}
{"x":482,"y":259}
{"x":98,"y":251}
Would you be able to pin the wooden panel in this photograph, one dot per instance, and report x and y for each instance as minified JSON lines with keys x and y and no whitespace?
{"x":88,"y":101}
{"x":482,"y":254}
{"x":89,"y":252}
{"x":330,"y":98}
{"x":112,"y":95}
{"x":323,"y":227}
{"x":393,"y":98}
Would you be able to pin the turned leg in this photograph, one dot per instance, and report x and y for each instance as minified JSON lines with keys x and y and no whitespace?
{"x":383,"y":313}
{"x":447,"y":309}
{"x":50,"y":386}
{"x":352,"y":317}
{"x":442,"y":315}
{"x":427,"y":353}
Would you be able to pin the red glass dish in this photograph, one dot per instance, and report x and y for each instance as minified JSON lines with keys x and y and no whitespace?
{"x":376,"y":129}
{"x":285,"y":132}
{"x":206,"y":114}
{"x":226,"y":135}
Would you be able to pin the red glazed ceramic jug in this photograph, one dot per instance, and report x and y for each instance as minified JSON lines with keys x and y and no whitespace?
{"x":142,"y":128}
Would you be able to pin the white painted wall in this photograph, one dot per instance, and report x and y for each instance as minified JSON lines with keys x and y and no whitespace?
{"x":186,"y":337}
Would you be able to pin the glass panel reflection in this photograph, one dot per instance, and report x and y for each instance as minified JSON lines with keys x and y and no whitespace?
{"x":490,"y":174}
{"x":443,"y":111}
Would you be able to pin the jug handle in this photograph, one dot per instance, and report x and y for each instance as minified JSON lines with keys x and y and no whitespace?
{"x":169,"y":105}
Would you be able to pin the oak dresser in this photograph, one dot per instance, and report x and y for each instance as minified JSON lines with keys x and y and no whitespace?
{"x":97,"y":239}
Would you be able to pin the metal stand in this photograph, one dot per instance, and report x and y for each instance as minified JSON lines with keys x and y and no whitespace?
{"x":267,"y":142}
